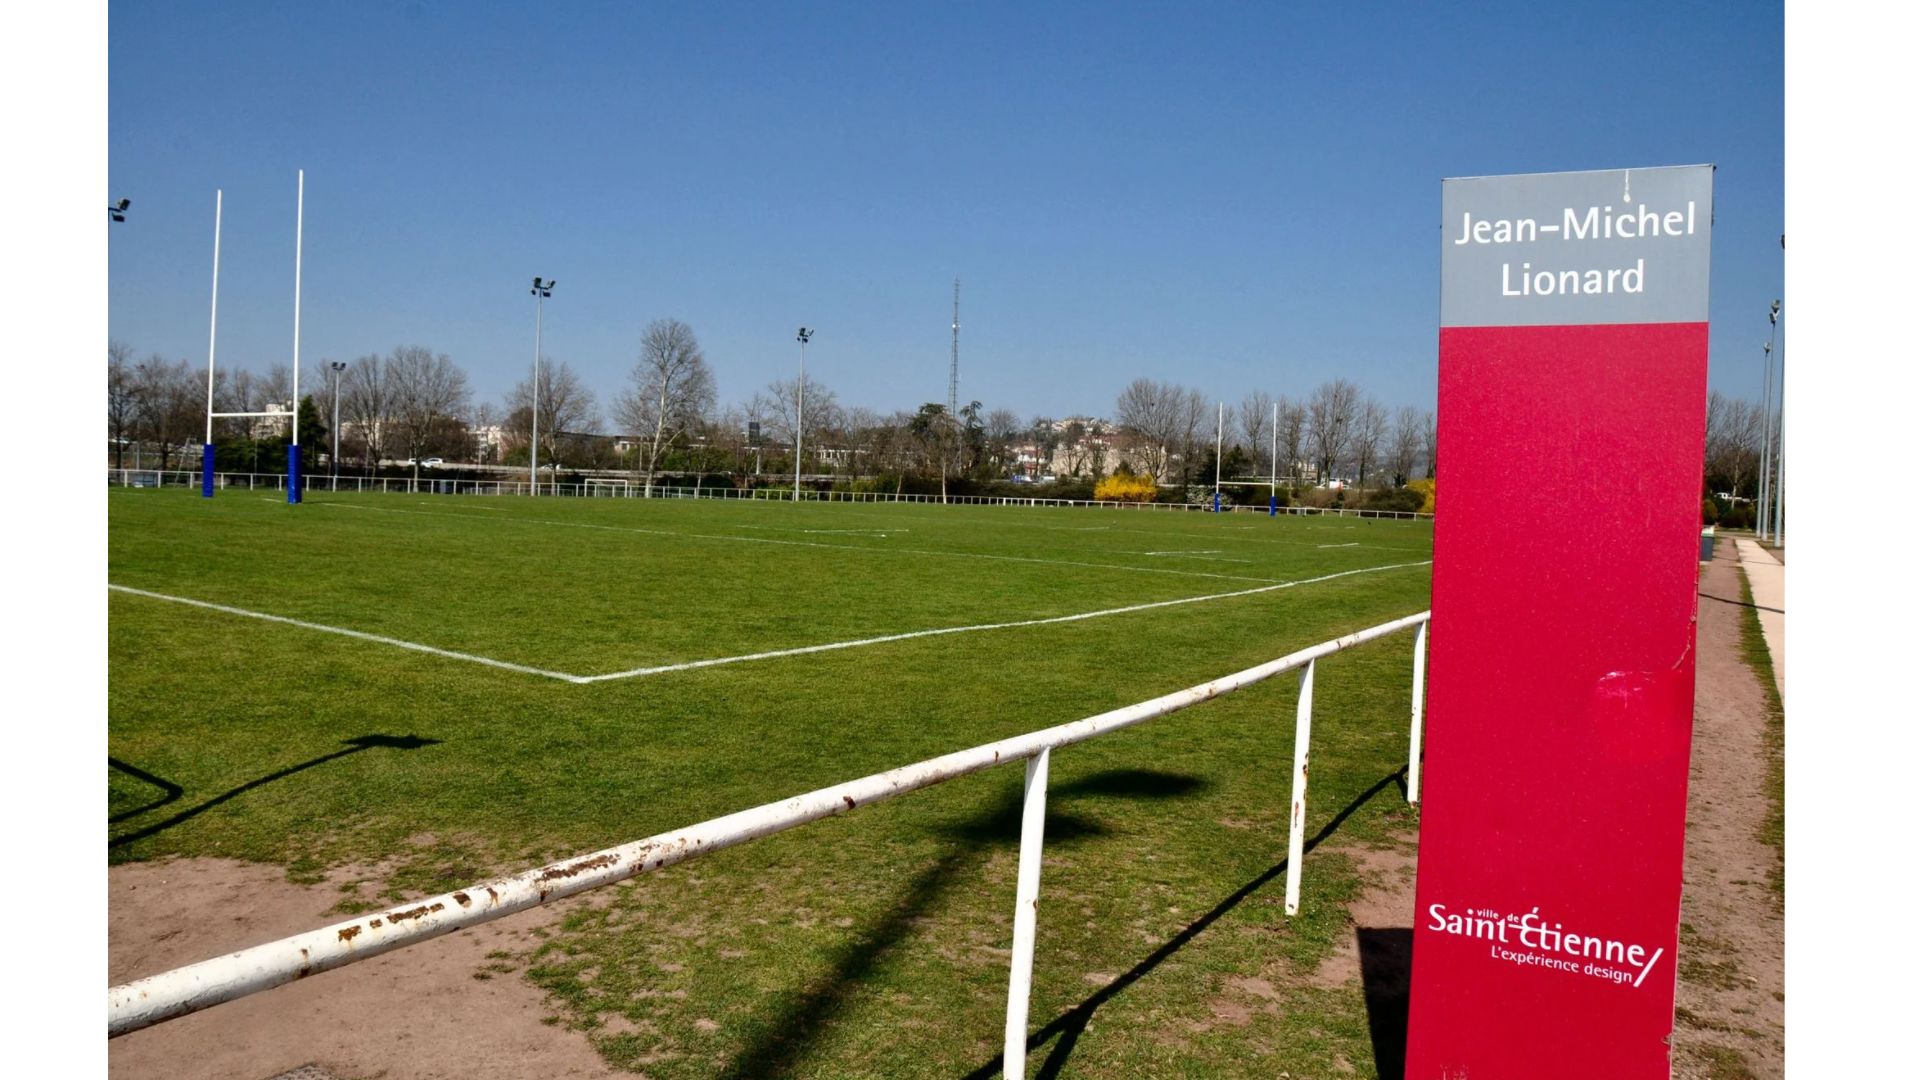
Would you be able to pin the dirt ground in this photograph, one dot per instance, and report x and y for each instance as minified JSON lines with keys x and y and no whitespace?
{"x":418,"y":1012}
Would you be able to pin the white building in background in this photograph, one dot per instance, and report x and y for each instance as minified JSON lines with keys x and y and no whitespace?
{"x":487,"y":441}
{"x":279,"y":425}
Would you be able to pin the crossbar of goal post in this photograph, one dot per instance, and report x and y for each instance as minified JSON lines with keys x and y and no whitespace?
{"x":157,"y":998}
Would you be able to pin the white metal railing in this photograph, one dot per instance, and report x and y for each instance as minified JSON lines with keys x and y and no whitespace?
{"x":429,"y":485}
{"x":157,"y":998}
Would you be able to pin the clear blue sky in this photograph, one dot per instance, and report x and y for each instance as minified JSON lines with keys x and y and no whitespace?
{"x":1236,"y":198}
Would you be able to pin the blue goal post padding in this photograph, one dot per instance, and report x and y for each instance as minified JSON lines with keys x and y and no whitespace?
{"x":293,"y":472}
{"x":206,"y":471}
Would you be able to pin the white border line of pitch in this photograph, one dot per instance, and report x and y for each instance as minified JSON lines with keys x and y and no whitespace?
{"x":662,"y":669}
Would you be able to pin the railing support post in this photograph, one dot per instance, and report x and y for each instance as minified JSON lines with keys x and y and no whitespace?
{"x":1297,"y":816}
{"x":1026,"y":911}
{"x":1419,"y":713}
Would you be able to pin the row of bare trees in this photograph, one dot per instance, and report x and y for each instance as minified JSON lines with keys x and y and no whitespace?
{"x":1336,"y":432}
{"x":413,"y":403}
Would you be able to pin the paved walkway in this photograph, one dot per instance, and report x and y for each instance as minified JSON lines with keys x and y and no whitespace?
{"x":1768,"y":580}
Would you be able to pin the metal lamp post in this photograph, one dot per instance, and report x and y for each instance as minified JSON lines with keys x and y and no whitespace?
{"x":1219,"y":442}
{"x":333,"y":459}
{"x":1777,"y":519}
{"x":800,"y":408}
{"x":541,"y":291}
{"x":1763,"y":509}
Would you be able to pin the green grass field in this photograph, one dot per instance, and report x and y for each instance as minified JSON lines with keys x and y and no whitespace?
{"x":872,"y":944}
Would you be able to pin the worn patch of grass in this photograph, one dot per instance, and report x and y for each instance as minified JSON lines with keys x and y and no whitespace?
{"x":1772,"y":830}
{"x":868,"y":945}
{"x":1719,"y":1062}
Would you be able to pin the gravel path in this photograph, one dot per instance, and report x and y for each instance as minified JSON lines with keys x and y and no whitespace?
{"x":1731,"y":1007}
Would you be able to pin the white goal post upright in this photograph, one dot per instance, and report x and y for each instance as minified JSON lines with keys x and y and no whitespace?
{"x":213,"y":332}
{"x":293,"y":447}
{"x":293,"y":411}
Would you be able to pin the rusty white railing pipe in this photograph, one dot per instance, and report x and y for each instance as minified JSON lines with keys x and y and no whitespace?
{"x":1419,"y":713}
{"x":149,"y":1001}
{"x":1297,"y":812}
{"x":1026,"y":914}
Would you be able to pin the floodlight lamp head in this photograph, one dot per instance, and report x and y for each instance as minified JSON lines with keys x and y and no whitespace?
{"x":803,"y":335}
{"x":123,"y":204}
{"x":1773,"y":313}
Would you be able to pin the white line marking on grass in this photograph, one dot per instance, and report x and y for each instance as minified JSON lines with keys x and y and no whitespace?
{"x":830,"y":547}
{"x":1356,"y":543}
{"x":1156,"y":533}
{"x":396,"y":642}
{"x":1203,"y":556}
{"x":805,"y":649}
{"x":851,"y":532}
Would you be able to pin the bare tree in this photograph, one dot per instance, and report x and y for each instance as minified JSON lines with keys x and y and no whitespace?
{"x":566,"y":407}
{"x":123,"y":398}
{"x":1293,"y":438}
{"x":1002,"y":427}
{"x":1192,"y":413}
{"x":1733,"y":442}
{"x":780,"y":400}
{"x":277,"y":387}
{"x":1370,"y":428}
{"x":169,"y":408}
{"x":1431,"y":435}
{"x":1330,"y":416}
{"x":1404,"y":456}
{"x":366,"y":400}
{"x":426,"y":390}
{"x":1152,"y":418}
{"x":672,"y":389}
{"x":1256,"y":428}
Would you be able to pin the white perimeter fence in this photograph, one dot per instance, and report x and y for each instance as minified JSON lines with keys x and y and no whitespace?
{"x":184,"y":990}
{"x":427,"y":485}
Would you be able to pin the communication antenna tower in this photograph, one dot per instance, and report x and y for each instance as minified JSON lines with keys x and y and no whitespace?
{"x":953,"y":366}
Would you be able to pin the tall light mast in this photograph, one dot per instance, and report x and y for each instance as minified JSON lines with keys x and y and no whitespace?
{"x":953,"y":366}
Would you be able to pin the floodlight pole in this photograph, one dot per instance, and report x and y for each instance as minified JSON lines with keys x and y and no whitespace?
{"x":333,"y":459}
{"x":541,"y":290}
{"x":293,"y":448}
{"x":213,"y":331}
{"x":1273,"y":479}
{"x":1219,"y":441}
{"x":1780,"y":431}
{"x":800,"y":409}
{"x":1763,"y":519}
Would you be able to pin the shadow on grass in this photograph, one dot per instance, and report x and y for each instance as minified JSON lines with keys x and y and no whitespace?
{"x":1069,"y":1025}
{"x":172,"y":790}
{"x":353,"y":746}
{"x":801,"y":1016}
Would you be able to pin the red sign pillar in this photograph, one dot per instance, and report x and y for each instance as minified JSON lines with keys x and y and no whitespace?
{"x":1572,"y":412}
